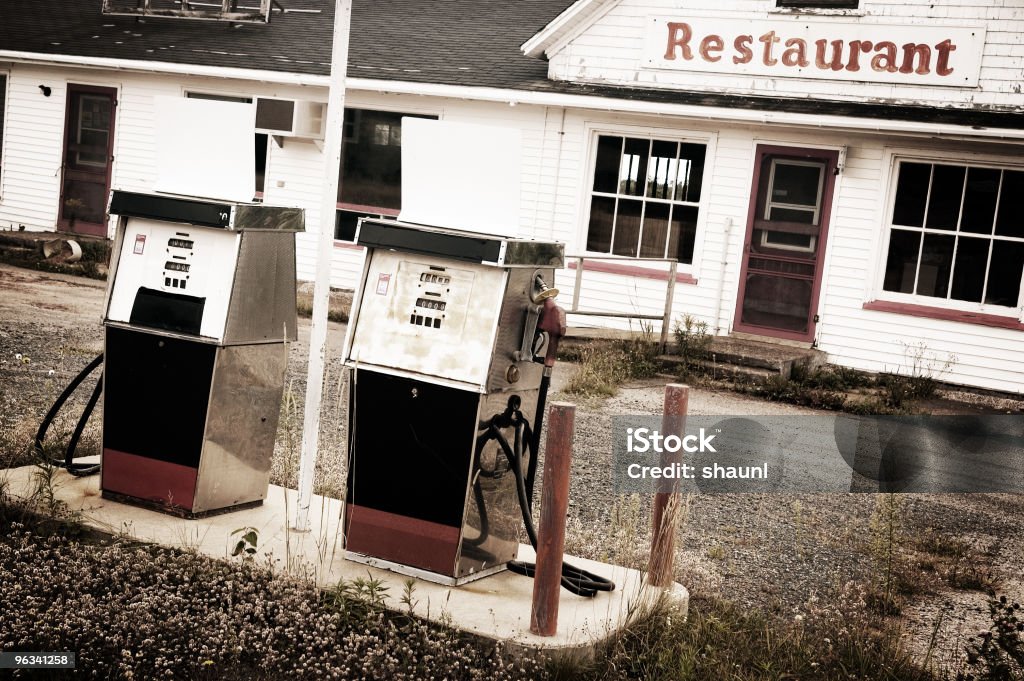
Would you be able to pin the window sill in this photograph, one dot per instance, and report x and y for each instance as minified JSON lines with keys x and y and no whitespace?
{"x":633,"y":271}
{"x":348,"y":245}
{"x":945,"y":314}
{"x":819,"y":11}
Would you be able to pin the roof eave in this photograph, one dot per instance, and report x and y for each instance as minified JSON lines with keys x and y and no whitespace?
{"x":287,"y":77}
{"x":563,"y":26}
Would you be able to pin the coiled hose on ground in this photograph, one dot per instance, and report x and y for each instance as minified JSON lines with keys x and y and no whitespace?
{"x":76,"y":469}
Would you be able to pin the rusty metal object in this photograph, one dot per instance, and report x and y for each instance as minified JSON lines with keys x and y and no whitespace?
{"x":666,"y":503}
{"x":554,"y":506}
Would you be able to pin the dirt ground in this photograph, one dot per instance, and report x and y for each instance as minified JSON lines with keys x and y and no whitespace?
{"x":783,"y":553}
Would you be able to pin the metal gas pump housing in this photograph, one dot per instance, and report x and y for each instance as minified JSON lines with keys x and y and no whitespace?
{"x":440,"y":339}
{"x":200,"y":303}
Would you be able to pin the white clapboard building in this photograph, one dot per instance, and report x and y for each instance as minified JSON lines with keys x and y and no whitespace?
{"x":842,"y":173}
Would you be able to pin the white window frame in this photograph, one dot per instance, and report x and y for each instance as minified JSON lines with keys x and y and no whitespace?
{"x":594,"y":131}
{"x":893,"y":158}
{"x":769,"y":204}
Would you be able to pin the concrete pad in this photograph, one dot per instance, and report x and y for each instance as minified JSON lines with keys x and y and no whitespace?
{"x":496,"y":607}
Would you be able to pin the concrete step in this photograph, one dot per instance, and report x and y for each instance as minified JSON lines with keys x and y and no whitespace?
{"x":675,"y":366}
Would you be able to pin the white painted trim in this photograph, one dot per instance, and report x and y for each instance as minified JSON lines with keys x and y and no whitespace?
{"x":716,"y":115}
{"x":890,"y":156}
{"x":553,"y":32}
{"x":713,"y":115}
{"x":165,"y":67}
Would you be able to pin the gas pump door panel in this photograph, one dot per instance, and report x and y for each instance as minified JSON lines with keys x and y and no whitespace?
{"x":175,"y":262}
{"x":428,"y":316}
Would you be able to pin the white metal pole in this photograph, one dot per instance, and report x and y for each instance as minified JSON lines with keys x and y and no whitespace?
{"x":324,"y":248}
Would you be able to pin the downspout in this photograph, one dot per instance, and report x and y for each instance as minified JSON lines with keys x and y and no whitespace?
{"x":721,"y":275}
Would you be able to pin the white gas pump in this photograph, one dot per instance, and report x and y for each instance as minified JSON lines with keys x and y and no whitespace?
{"x":440,"y":349}
{"x":200,"y":302}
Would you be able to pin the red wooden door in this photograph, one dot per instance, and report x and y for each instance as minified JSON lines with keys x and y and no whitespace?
{"x":784,"y":248}
{"x":88,"y":157}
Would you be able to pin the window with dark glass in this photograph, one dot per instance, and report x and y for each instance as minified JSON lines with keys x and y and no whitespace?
{"x":3,"y":103}
{"x":955,"y":234}
{"x":645,"y":197}
{"x":371,"y":168}
{"x":819,"y":4}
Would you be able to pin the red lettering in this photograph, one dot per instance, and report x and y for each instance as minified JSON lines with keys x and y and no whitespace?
{"x":796,"y":53}
{"x":924,"y":54}
{"x":769,"y":39}
{"x":679,"y":35}
{"x":856,"y":47}
{"x":942,"y":64}
{"x":885,"y":60}
{"x":711,"y":43}
{"x":836,"y":63}
{"x":742,"y":46}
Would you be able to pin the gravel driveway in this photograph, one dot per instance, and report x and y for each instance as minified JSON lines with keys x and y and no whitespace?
{"x":777,"y":552}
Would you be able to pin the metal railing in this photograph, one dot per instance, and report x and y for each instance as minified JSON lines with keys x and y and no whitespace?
{"x":670,"y":289}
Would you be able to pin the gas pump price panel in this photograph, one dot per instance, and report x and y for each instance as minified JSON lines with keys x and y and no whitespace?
{"x":440,"y":340}
{"x":200,"y":303}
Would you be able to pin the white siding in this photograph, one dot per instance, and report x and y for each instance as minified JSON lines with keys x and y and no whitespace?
{"x":557,"y":155}
{"x":33,"y":134}
{"x":609,"y":50}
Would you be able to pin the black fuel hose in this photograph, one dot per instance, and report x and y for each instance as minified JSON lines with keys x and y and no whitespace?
{"x":76,"y":469}
{"x":574,"y":579}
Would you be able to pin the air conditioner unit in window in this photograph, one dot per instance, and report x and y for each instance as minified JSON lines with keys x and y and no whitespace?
{"x":298,"y":119}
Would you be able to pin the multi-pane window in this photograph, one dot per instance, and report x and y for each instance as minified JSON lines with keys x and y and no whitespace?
{"x":645,"y":197}
{"x":957,"y":233}
{"x":371,"y":168}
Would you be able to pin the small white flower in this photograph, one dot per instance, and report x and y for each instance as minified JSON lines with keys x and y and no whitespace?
{"x":50,"y":372}
{"x":17,"y":356}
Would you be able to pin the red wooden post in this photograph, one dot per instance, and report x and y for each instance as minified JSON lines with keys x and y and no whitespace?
{"x":553,"y":508}
{"x":666,"y":503}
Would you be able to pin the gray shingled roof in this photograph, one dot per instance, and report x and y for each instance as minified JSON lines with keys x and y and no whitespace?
{"x":461,"y":42}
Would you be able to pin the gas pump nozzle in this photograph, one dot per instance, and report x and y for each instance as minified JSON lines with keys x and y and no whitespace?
{"x":552,"y":322}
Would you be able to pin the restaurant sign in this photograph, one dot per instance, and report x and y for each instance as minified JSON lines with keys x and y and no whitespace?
{"x":918,"y":54}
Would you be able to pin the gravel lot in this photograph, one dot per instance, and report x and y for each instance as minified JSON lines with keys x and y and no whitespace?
{"x":778,"y":552}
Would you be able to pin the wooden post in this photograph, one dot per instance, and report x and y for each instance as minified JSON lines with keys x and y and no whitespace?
{"x":553,"y":508}
{"x":666,"y":503}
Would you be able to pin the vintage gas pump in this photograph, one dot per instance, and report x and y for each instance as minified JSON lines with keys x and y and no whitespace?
{"x":440,"y":350}
{"x":200,"y":303}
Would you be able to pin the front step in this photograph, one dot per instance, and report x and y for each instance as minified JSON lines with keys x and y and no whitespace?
{"x":731,"y":357}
